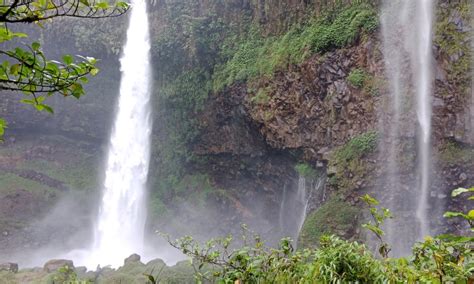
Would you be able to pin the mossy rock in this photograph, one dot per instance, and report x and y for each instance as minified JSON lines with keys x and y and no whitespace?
{"x":334,"y":217}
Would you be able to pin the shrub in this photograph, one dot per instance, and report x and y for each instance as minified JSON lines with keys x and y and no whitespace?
{"x":334,"y":217}
{"x":357,"y":147}
{"x":357,"y":78}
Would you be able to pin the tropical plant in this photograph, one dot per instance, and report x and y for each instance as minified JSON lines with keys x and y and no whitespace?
{"x":26,"y":68}
{"x":444,"y":259}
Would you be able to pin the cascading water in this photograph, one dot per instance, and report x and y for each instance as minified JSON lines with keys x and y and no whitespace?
{"x":424,"y":88}
{"x":302,"y":197}
{"x":294,"y":205}
{"x":407,"y":43}
{"x":120,"y":225}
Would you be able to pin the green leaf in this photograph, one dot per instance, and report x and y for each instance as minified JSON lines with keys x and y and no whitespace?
{"x":35,"y":46}
{"x":94,"y":71}
{"x":68,"y":60}
{"x":471,"y":215}
{"x":461,"y":190}
{"x":3,"y":125}
{"x":14,"y":69}
{"x":102,"y":5}
{"x":28,"y":101}
{"x":454,"y":214}
{"x":370,"y":200}
{"x":39,"y":107}
{"x":47,"y":108}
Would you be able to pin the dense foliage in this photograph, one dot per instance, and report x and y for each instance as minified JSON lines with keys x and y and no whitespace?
{"x":443,"y":259}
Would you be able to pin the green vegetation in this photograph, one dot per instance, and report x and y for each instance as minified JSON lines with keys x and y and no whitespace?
{"x":334,"y":217}
{"x":357,"y":78}
{"x":305,"y":170}
{"x":454,"y":43}
{"x":27,"y":70}
{"x":200,"y":55}
{"x":445,"y":259}
{"x":454,"y":152}
{"x":347,"y":164}
{"x":253,"y":56}
{"x":12,"y":182}
{"x":467,"y":216}
{"x":357,"y":147}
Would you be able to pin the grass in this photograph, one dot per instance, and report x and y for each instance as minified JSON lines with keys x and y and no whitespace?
{"x":357,"y":147}
{"x":10,"y":183}
{"x":80,"y":174}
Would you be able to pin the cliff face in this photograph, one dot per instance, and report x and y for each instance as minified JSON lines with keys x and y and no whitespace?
{"x":227,"y":154}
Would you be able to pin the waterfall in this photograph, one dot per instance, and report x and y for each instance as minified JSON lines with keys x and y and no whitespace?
{"x":407,"y":49}
{"x":119,"y":230}
{"x":302,"y":199}
{"x":294,"y":204}
{"x":424,"y":89}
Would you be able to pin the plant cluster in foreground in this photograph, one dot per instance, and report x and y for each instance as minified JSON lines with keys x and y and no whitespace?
{"x":442,"y":259}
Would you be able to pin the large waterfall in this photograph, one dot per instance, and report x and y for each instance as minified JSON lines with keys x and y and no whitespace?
{"x":120,"y":225}
{"x":407,"y":46}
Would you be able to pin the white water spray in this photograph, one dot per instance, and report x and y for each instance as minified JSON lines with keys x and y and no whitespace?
{"x":119,"y":230}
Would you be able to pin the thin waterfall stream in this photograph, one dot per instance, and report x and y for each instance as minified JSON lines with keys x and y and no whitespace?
{"x":424,"y":89}
{"x":120,"y":225}
{"x":407,"y":31}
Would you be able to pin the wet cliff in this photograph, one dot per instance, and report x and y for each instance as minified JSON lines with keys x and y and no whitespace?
{"x":246,"y":95}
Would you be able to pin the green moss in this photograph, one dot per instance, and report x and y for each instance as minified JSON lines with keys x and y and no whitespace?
{"x":454,"y":153}
{"x":454,"y":42}
{"x":12,"y":182}
{"x":347,"y":163}
{"x":78,"y":174}
{"x":334,"y":217}
{"x":261,"y":97}
{"x":357,"y":78}
{"x":305,"y":170}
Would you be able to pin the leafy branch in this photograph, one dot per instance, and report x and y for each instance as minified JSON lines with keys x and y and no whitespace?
{"x":29,"y":11}
{"x":375,"y":226}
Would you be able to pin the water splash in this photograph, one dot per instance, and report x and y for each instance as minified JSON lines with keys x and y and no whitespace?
{"x":121,"y":222}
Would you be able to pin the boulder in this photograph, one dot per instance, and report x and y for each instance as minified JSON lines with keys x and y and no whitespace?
{"x":9,"y":266}
{"x":55,"y":264}
{"x":132,"y":259}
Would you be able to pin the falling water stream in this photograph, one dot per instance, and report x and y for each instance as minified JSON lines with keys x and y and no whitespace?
{"x":407,"y":44}
{"x":424,"y":89}
{"x":294,"y":204}
{"x":120,"y":224}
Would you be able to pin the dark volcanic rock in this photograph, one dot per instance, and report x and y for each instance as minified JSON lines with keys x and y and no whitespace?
{"x":9,"y":266}
{"x":55,"y":264}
